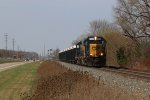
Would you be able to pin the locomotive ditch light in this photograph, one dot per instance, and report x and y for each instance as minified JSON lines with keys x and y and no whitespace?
{"x":102,"y":54}
{"x":95,"y":38}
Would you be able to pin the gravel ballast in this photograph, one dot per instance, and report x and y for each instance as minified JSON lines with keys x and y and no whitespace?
{"x":135,"y":88}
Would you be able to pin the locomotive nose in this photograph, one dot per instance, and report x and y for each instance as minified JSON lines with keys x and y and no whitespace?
{"x":96,"y":50}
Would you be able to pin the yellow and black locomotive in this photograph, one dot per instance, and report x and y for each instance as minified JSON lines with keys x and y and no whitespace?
{"x":91,"y":51}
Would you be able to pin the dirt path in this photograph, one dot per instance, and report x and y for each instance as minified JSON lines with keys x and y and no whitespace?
{"x":11,"y":65}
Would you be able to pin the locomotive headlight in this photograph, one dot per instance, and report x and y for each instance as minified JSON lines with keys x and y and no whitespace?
{"x":102,"y":54}
{"x":91,"y":54}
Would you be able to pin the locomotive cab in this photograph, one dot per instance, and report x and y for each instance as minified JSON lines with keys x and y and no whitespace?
{"x":95,"y":51}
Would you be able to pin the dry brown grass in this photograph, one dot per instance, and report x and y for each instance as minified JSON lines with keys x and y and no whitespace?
{"x":48,"y":68}
{"x":58,"y":83}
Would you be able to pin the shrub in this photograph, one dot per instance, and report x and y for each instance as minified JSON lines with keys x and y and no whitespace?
{"x":121,"y":57}
{"x":113,"y":44}
{"x":145,"y":49}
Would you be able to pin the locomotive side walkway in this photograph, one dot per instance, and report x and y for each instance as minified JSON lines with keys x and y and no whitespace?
{"x":132,"y":87}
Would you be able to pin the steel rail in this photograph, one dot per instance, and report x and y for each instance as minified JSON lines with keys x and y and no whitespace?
{"x":129,"y":72}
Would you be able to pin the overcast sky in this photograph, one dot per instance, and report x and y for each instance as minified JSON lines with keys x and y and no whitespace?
{"x":55,"y":23}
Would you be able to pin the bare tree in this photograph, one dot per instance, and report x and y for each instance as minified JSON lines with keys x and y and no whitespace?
{"x":98,"y":27}
{"x":101,"y":27}
{"x":134,"y":18}
{"x":80,"y":38}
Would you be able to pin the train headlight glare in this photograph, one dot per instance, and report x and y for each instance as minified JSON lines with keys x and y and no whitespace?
{"x":95,"y":38}
{"x":102,"y":54}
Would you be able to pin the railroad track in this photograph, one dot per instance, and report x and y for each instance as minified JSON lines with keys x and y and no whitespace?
{"x":129,"y":72}
{"x":138,"y":74}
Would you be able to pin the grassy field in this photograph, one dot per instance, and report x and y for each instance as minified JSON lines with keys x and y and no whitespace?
{"x":17,"y":82}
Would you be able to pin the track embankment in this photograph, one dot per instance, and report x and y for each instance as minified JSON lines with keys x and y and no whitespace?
{"x":58,"y":81}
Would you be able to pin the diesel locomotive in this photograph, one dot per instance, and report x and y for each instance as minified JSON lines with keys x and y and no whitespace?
{"x":90,"y":52}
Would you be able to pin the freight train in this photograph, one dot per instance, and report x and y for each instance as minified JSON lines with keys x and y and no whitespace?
{"x":90,"y":52}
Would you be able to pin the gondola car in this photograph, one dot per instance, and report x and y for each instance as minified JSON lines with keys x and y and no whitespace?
{"x":68,"y":55}
{"x":91,"y":52}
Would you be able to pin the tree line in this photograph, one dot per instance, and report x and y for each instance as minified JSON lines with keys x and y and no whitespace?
{"x":21,"y":55}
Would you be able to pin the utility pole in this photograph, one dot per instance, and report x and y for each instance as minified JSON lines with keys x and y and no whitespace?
{"x":13,"y":40}
{"x":18,"y":52}
{"x":6,"y":40}
{"x":44,"y":50}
